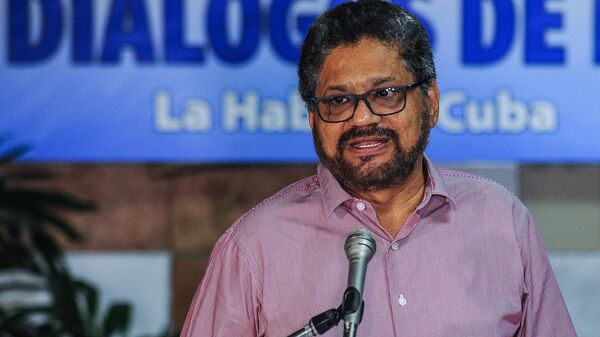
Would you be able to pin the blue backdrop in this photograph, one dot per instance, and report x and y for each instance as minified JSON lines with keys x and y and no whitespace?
{"x":215,"y":80}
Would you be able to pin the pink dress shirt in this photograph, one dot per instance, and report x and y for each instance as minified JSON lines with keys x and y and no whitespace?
{"x":467,"y":263}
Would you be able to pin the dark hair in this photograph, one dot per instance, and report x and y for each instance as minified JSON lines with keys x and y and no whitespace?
{"x":350,"y":22}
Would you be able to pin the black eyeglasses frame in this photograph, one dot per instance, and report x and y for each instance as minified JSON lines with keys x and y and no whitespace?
{"x":363,"y":97}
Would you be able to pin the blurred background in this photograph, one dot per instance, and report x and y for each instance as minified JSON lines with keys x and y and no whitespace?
{"x":134,"y":132}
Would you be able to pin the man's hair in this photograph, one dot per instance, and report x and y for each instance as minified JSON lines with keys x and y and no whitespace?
{"x":350,"y":22}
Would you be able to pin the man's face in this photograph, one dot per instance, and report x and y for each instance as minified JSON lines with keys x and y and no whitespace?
{"x":370,"y":152}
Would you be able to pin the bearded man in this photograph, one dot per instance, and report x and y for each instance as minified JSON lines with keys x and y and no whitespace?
{"x":458,"y":255}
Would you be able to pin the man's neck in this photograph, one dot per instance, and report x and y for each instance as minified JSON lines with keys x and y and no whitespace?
{"x":395,"y":204}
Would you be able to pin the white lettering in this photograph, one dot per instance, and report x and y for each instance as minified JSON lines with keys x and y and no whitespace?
{"x":245,"y":111}
{"x":197,"y":116}
{"x":298,"y":112}
{"x":273,"y":116}
{"x":480,"y":120}
{"x":503,"y":114}
{"x":163,"y":121}
{"x":544,"y":118}
{"x":449,"y":103}
{"x":512,"y":113}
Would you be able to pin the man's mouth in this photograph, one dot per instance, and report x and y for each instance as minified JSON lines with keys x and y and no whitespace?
{"x":368,"y":141}
{"x":367,"y":145}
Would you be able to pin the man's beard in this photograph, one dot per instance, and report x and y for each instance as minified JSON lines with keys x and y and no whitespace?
{"x":389,"y":174}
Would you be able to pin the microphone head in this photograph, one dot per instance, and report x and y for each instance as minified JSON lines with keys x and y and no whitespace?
{"x":360,"y":245}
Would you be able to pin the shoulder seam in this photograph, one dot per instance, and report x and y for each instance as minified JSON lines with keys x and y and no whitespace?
{"x":464,"y":175}
{"x":271,"y":198}
{"x":460,"y":174}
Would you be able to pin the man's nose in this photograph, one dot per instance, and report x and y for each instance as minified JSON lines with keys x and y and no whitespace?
{"x":363,"y":115}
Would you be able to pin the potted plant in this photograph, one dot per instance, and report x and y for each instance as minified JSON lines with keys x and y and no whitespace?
{"x":38,"y":294}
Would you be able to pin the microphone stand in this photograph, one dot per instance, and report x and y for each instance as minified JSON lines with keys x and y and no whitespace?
{"x":319,"y":324}
{"x":351,"y":307}
{"x":326,"y":320}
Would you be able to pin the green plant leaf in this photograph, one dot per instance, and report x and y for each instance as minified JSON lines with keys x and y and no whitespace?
{"x":16,"y":323}
{"x":45,"y":198}
{"x":65,"y":309}
{"x":36,"y":217}
{"x":117,"y":319}
{"x":14,"y":254}
{"x":90,"y":297}
{"x":20,"y":286}
{"x":61,"y":224}
{"x":49,"y":250}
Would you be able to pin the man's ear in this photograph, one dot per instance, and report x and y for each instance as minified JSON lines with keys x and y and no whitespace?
{"x":433,"y":97}
{"x":311,"y":119}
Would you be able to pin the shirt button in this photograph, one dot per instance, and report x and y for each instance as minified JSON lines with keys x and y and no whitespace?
{"x":395,"y":246}
{"x":361,"y":206}
{"x":402,"y":301}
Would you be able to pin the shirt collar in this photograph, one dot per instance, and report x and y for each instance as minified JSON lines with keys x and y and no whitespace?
{"x":334,"y":195}
{"x":436,"y":184}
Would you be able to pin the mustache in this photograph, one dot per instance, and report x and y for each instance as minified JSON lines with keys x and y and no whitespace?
{"x":372,"y":130}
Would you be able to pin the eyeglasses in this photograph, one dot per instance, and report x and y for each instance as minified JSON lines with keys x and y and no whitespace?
{"x":380,"y":101}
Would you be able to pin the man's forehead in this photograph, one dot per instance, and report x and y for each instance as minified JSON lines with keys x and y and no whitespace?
{"x":368,"y":62}
{"x":370,"y":39}
{"x":363,"y":50}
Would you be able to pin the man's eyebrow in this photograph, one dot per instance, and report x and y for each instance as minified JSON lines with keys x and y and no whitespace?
{"x":380,"y":80}
{"x":341,"y":88}
{"x":374,"y":82}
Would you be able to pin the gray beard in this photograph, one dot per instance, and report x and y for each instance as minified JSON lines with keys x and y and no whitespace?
{"x":392,"y":173}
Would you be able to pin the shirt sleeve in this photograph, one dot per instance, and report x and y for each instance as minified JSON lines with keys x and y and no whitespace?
{"x":226,"y":303}
{"x":545,"y":313}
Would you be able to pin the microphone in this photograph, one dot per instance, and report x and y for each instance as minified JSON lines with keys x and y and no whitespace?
{"x":360,"y":248}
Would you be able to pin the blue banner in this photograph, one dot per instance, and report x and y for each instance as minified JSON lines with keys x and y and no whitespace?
{"x":215,"y":80}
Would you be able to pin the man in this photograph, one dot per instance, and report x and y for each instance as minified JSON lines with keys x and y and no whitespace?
{"x":457,"y":255}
